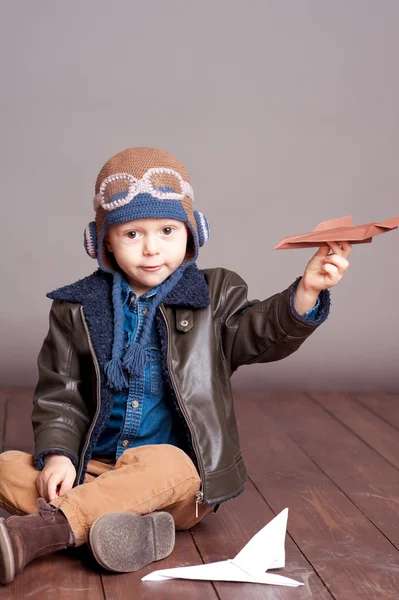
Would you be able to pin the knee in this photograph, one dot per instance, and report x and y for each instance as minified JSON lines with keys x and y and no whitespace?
{"x":7,"y":465}
{"x":17,"y":482}
{"x":173,"y":453}
{"x":175,"y":458}
{"x":167,"y":455}
{"x":10,"y":460}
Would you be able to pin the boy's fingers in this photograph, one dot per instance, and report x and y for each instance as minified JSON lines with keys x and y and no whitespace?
{"x":335,"y":247}
{"x":336,"y":258}
{"x":323,"y":251}
{"x":331,"y":271}
{"x":66,"y":485}
{"x":52,"y":483}
{"x":68,"y":481}
{"x":39,"y":485}
{"x":341,"y":248}
{"x":339,"y":261}
{"x":64,"y":489}
{"x":347,"y":248}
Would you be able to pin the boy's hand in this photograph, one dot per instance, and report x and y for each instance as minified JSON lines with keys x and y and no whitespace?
{"x":58,"y":471}
{"x":322,"y":271}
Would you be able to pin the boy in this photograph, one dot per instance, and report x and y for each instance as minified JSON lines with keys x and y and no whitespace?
{"x":135,"y":433}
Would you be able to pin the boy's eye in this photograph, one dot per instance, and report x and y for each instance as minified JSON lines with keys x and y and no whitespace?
{"x":167,"y":230}
{"x":131,"y":235}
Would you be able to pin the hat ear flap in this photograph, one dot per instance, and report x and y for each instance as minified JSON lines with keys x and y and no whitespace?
{"x":90,"y":239}
{"x":202,"y":227}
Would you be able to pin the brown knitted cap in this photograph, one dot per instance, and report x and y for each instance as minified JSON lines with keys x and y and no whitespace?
{"x":136,"y":162}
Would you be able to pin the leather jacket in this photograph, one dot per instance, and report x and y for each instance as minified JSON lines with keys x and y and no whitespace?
{"x":208,"y":329}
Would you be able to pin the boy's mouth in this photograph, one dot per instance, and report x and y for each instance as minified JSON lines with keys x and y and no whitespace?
{"x":156,"y":268}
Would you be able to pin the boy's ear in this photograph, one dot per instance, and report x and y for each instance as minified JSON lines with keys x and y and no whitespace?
{"x":107,"y":243}
{"x":190,"y":247}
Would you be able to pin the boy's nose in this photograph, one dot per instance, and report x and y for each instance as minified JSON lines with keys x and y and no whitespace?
{"x":150,"y":247}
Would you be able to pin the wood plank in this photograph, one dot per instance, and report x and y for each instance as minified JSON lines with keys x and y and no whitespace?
{"x":3,"y":407}
{"x":61,"y":575}
{"x":380,"y":436}
{"x":19,"y":433}
{"x":363,"y":475}
{"x":223,"y":535}
{"x":347,"y":551}
{"x":129,"y":585}
{"x":384,"y":406}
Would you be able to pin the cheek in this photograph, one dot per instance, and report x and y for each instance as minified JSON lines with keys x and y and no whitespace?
{"x":124,"y":256}
{"x":181,"y":249}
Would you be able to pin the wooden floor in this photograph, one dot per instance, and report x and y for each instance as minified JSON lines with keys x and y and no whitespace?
{"x":332,"y":459}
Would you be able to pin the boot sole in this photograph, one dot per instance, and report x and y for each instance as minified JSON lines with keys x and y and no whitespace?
{"x":126,"y":542}
{"x":7,"y":562}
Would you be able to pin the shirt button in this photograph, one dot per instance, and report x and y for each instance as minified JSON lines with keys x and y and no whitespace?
{"x":125,"y":443}
{"x":135,"y":404}
{"x":144,"y":311}
{"x":183,"y":323}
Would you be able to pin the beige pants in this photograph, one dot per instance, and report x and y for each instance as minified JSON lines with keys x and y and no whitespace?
{"x":144,"y":479}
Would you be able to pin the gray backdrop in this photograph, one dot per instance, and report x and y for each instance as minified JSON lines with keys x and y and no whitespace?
{"x":285,"y":114}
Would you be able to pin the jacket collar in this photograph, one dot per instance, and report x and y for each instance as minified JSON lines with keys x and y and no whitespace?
{"x":190,"y":291}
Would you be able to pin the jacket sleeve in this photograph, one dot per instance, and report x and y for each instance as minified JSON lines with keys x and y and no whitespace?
{"x":59,"y":416}
{"x":257,"y":332}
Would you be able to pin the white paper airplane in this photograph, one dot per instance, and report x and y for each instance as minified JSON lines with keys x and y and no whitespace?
{"x":264,"y":551}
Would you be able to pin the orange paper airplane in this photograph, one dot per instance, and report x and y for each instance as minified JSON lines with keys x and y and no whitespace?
{"x":337,"y":230}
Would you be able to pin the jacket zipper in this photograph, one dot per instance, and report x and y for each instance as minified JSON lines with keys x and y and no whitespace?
{"x":98,"y":391}
{"x":199,"y":495}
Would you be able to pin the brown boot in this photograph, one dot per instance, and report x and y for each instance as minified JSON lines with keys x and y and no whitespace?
{"x":27,"y":537}
{"x":125,"y":542}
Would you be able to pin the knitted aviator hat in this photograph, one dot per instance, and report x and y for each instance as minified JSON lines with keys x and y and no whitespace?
{"x":140,"y":183}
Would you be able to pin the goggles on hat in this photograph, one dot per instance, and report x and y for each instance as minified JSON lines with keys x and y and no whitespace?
{"x":119,"y":189}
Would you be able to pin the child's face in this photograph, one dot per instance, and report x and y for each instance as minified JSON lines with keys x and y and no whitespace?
{"x":147,"y":250}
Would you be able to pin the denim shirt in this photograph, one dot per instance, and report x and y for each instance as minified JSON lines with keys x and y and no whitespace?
{"x":312,"y":313}
{"x":140,"y":415}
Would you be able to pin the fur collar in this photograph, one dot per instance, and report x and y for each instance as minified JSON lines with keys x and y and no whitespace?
{"x":190,"y":291}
